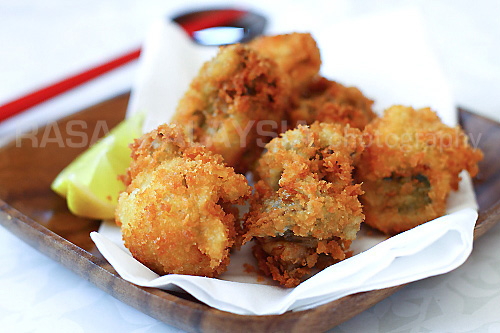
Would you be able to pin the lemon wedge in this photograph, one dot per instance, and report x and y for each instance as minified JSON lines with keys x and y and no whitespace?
{"x":90,"y":183}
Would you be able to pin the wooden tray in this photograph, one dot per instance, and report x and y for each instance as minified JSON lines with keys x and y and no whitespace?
{"x":30,"y":210}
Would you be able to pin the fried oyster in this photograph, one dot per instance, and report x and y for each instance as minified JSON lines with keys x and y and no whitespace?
{"x":176,"y":214}
{"x":305,"y":210}
{"x":296,"y":55}
{"x":411,"y":163}
{"x":314,"y":98}
{"x":237,"y":99}
{"x":324,"y":100}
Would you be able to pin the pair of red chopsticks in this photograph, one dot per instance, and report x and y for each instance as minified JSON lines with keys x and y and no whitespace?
{"x":199,"y":21}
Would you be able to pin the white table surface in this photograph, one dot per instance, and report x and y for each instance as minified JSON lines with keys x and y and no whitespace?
{"x":44,"y":41}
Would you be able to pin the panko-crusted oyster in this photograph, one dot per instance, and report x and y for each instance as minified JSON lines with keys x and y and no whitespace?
{"x":176,"y":214}
{"x":237,"y":99}
{"x":328,"y":101}
{"x":305,"y":210}
{"x":411,"y":163}
{"x":296,"y":55}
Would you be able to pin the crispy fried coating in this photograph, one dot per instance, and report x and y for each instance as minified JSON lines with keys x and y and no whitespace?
{"x":411,"y":163}
{"x":237,"y":99}
{"x":328,"y":101}
{"x":305,"y":203}
{"x":296,"y":54}
{"x":288,"y":259}
{"x":176,"y":214}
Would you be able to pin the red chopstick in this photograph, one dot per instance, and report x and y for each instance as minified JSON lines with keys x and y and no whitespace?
{"x":41,"y":95}
{"x":16,"y":106}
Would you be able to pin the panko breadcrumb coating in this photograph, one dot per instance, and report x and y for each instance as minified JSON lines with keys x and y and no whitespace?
{"x":411,"y":163}
{"x":328,"y":101}
{"x":296,"y":54}
{"x":305,"y":209}
{"x":176,"y":214}
{"x":228,"y":101}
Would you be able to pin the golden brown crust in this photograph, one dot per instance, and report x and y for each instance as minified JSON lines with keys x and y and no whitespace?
{"x":288,"y":262}
{"x":152,"y":148}
{"x":328,"y":101}
{"x":411,"y":163}
{"x":234,"y":94}
{"x":306,"y":189}
{"x":175,"y":213}
{"x":296,"y":55}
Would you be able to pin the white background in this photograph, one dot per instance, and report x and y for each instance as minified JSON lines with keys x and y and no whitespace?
{"x":42,"y":41}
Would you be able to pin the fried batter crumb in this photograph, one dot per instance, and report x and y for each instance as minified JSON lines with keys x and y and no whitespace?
{"x":328,"y":101}
{"x":296,"y":55}
{"x":249,"y":269}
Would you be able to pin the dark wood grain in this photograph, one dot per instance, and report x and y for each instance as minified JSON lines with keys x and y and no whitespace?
{"x":29,"y":209}
{"x":487,"y":134}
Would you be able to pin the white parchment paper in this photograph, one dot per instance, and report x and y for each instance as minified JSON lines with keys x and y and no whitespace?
{"x":387,"y":57}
